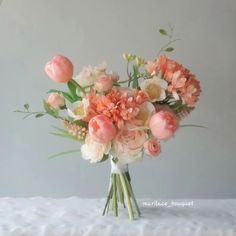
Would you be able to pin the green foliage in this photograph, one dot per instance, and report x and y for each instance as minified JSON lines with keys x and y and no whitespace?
{"x":26,"y":106}
{"x":163,"y":32}
{"x":105,"y":157}
{"x":68,"y":96}
{"x":72,"y":88}
{"x":135,"y":83}
{"x":49,"y":110}
{"x":169,"y":49}
{"x":39,"y":115}
{"x":64,"y":153}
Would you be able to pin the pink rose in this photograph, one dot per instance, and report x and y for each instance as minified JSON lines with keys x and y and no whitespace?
{"x":101,"y":129}
{"x":152,"y":147}
{"x":56,"y":101}
{"x":163,"y":125}
{"x":59,"y":69}
{"x":103,"y":83}
{"x":128,"y":145}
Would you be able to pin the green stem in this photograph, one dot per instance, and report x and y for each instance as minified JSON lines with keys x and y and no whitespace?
{"x":78,"y":86}
{"x":114,"y":197}
{"x":127,"y":197}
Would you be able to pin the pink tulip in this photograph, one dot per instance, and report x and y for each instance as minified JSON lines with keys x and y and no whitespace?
{"x":56,"y":101}
{"x":152,"y":147}
{"x":163,"y":125}
{"x":103,"y":83}
{"x":59,"y":69}
{"x":101,"y":129}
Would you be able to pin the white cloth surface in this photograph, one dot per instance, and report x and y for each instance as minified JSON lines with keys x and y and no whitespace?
{"x":74,"y":216}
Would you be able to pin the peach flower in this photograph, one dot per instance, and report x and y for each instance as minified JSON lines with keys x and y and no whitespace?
{"x":59,"y":69}
{"x":56,"y":101}
{"x":103,"y":83}
{"x":191,"y":91}
{"x":163,"y":125}
{"x":128,"y":145}
{"x":101,"y":129}
{"x":152,"y":147}
{"x":94,"y":151}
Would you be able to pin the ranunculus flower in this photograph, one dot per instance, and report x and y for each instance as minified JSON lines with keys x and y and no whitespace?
{"x":94,"y":151}
{"x":101,"y":129}
{"x":128,"y":145}
{"x":154,"y":88}
{"x":59,"y":69}
{"x":56,"y":101}
{"x":163,"y":125}
{"x":78,"y":110}
{"x":152,"y":147}
{"x":103,"y":83}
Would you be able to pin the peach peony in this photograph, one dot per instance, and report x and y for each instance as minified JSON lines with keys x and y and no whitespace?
{"x":101,"y":129}
{"x":163,"y":125}
{"x":59,"y":69}
{"x":56,"y":101}
{"x":152,"y":147}
{"x":103,"y":83}
{"x":128,"y":145}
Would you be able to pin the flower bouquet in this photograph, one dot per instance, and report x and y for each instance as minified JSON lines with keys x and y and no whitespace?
{"x":120,"y":120}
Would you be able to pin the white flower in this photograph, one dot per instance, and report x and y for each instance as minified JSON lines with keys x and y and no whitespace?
{"x":86,"y":77}
{"x":88,"y":74}
{"x":78,"y":110}
{"x":154,"y":88}
{"x":94,"y":151}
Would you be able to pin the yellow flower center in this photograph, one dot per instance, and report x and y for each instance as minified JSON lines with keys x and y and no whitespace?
{"x":153,"y":91}
{"x":79,"y":111}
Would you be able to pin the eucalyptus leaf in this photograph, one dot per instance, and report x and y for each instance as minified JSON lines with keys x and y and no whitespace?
{"x":26,"y":106}
{"x":169,"y":49}
{"x":39,"y":115}
{"x":163,"y":32}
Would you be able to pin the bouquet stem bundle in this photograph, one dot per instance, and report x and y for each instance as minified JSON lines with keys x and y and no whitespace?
{"x":121,"y":192}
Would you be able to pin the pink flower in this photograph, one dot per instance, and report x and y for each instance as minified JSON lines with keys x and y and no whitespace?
{"x":101,"y":129}
{"x":59,"y":69}
{"x":163,"y":125}
{"x":152,"y":67}
{"x":152,"y":147}
{"x":103,"y":83}
{"x":56,"y":101}
{"x":128,"y":145}
{"x":191,"y":91}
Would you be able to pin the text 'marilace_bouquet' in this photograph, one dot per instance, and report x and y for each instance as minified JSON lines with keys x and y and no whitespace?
{"x":120,"y":120}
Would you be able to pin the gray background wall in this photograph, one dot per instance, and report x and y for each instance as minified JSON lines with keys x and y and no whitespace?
{"x":198,"y":163}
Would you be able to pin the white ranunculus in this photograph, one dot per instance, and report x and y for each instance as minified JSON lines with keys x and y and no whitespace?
{"x":78,"y":110}
{"x":154,"y":88}
{"x":94,"y":151}
{"x":86,"y":77}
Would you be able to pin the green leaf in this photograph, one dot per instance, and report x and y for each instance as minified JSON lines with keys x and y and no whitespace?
{"x":50,"y":110}
{"x":81,"y":123}
{"x":192,"y":125}
{"x":135,"y":83}
{"x":39,"y":115}
{"x":64,"y":153}
{"x":60,"y":130}
{"x":163,"y":32}
{"x":170,"y":49}
{"x":66,"y":95}
{"x":72,"y":89}
{"x":105,"y":157}
{"x":68,"y":136}
{"x":26,"y":106}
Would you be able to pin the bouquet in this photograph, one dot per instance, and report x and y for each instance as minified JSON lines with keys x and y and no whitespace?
{"x":120,"y":120}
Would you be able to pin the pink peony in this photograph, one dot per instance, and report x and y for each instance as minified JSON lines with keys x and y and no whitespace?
{"x":101,"y":129}
{"x":128,"y":145}
{"x":56,"y":101}
{"x":59,"y":69}
{"x":103,"y":83}
{"x":152,"y":147}
{"x":163,"y":125}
